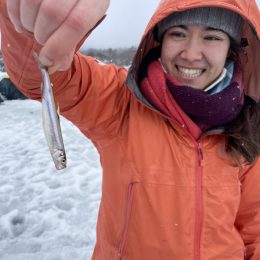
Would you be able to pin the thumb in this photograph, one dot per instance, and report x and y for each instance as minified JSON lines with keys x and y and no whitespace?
{"x":61,"y":64}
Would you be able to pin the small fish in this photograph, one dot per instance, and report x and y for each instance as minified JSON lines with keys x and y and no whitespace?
{"x":51,"y":122}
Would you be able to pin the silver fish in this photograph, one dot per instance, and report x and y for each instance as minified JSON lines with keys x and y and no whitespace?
{"x":51,"y":122}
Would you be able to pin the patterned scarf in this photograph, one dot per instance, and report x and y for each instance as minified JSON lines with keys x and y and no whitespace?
{"x":195,"y":109}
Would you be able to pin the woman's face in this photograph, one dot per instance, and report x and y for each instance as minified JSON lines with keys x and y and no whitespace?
{"x":194,"y":54}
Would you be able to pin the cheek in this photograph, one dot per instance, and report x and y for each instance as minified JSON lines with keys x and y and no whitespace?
{"x":165,"y":53}
{"x":168,"y":51}
{"x":165,"y":58}
{"x":218,"y":59}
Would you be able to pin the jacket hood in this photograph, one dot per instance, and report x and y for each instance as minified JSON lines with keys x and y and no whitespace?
{"x":250,"y":57}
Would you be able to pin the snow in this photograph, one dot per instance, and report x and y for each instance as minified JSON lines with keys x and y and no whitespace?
{"x":3,"y":75}
{"x":45,"y":214}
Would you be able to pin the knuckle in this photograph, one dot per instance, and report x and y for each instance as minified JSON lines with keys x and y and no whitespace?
{"x":51,"y":13}
{"x":39,"y":38}
{"x":76,"y":23}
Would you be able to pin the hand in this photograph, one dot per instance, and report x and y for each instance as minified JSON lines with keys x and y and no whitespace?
{"x":58,"y":25}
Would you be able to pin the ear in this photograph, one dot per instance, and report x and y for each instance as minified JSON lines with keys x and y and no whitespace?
{"x":230,"y":52}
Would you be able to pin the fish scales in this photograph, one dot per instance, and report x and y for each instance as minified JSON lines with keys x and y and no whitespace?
{"x":51,"y":123}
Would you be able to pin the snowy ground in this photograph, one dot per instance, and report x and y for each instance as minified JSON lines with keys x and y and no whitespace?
{"x":45,"y":214}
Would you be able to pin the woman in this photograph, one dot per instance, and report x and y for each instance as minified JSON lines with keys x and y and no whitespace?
{"x":180,"y":150}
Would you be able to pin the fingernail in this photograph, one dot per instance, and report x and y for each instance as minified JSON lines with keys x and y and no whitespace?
{"x":45,"y":61}
{"x":18,"y":28}
{"x":52,"y":69}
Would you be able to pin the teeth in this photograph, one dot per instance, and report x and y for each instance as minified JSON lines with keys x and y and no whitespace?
{"x":190,"y":73}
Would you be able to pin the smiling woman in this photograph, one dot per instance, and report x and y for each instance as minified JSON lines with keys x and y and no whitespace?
{"x":196,"y":43}
{"x":177,"y":133}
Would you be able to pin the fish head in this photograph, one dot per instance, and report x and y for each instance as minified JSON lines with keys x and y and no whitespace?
{"x":59,"y":158}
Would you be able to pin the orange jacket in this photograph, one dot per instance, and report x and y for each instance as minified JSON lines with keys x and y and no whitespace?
{"x":165,"y":194}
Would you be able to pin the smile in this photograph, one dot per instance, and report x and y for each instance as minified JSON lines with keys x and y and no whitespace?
{"x":189,"y":73}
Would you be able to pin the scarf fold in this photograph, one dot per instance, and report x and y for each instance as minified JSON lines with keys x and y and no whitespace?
{"x":193,"y":109}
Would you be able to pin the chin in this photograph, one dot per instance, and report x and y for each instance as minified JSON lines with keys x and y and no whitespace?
{"x":195,"y":87}
{"x":192,"y":85}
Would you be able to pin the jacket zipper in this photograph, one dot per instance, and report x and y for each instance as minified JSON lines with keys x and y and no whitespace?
{"x":198,"y":181}
{"x":127,"y":220}
{"x":198,"y":203}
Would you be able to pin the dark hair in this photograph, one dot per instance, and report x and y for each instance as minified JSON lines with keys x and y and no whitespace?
{"x":243,"y":135}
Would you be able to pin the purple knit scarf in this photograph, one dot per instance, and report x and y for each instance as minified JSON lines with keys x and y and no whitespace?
{"x":208,"y":110}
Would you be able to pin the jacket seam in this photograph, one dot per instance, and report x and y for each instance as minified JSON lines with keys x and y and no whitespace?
{"x":26,"y":62}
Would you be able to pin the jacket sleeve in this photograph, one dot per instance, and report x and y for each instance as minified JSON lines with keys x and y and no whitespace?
{"x":248,"y":217}
{"x":90,"y":94}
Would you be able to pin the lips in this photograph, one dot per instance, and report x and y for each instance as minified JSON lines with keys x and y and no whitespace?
{"x":189,"y":73}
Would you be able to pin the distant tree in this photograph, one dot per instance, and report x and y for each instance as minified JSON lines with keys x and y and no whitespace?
{"x":119,"y":56}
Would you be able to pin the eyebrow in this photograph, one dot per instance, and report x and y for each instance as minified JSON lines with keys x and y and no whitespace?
{"x":182,"y":26}
{"x":213,"y":29}
{"x":207,"y":28}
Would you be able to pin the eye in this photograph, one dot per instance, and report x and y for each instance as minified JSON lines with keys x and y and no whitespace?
{"x":177,"y":35}
{"x":212,"y":38}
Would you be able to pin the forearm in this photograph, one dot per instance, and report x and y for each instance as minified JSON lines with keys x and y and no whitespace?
{"x":17,"y":56}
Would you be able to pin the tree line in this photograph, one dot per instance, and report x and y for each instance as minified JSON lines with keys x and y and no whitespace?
{"x":118,"y":56}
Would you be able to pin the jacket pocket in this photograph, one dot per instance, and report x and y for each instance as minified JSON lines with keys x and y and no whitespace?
{"x":130,"y":195}
{"x":155,"y":225}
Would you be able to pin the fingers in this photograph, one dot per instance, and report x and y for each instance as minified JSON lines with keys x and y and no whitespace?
{"x":50,"y":16}
{"x":58,"y":25}
{"x":28,"y":13}
{"x":60,"y":46}
{"x":13,"y":9}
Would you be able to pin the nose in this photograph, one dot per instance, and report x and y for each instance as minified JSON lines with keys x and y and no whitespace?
{"x":192,"y":50}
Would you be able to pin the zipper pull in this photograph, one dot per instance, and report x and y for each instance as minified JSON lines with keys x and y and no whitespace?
{"x":200,"y":153}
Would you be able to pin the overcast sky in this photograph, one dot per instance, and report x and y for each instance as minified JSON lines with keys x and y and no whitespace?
{"x":124,"y":24}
